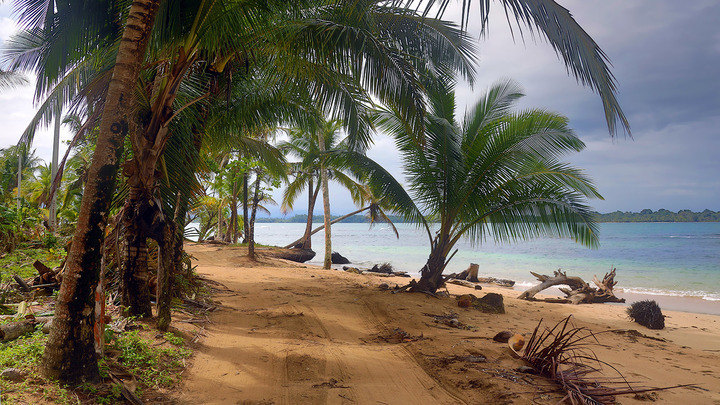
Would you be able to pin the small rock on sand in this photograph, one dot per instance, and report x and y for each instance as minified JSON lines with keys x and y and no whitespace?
{"x":491,"y":303}
{"x":503,"y":336}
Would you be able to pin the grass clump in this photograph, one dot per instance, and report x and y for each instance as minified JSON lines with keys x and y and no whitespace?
{"x":20,"y":261}
{"x":647,"y":313}
{"x":25,"y":354}
{"x":153,"y":366}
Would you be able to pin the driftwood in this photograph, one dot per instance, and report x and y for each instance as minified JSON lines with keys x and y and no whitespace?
{"x":471,"y":274}
{"x":465,"y":283}
{"x":502,"y":282}
{"x":579,"y":291}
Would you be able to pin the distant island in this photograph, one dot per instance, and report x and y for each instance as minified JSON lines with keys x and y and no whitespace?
{"x":646,"y":215}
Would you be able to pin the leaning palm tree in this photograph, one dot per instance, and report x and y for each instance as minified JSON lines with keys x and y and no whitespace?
{"x":495,"y":174}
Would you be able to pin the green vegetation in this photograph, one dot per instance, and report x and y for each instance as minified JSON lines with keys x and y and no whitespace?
{"x":20,"y":261}
{"x":645,"y":215}
{"x":660,"y":215}
{"x":154,"y":366}
{"x":25,"y":354}
{"x":154,"y":362}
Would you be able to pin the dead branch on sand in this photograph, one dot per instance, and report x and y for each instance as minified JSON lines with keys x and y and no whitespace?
{"x":579,"y":291}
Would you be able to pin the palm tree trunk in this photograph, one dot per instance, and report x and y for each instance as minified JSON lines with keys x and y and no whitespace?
{"x":166,"y":255}
{"x":234,"y":206}
{"x":220,"y":222}
{"x":306,"y":241}
{"x":431,"y":275}
{"x":69,"y":355}
{"x":53,"y":171}
{"x":134,"y":290}
{"x":251,"y":224}
{"x":327,"y":262}
{"x":19,"y":179}
{"x":431,"y":278}
{"x":245,"y":207}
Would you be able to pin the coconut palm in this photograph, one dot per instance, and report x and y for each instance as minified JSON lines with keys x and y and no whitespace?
{"x":304,"y":145}
{"x":495,"y":174}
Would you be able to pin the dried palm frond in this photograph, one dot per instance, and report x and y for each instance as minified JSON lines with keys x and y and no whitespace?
{"x":563,"y":354}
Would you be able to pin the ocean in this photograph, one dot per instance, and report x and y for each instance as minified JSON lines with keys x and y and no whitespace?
{"x":652,"y":259}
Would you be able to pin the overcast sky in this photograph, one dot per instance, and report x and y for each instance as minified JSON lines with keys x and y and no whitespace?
{"x":666,"y":57}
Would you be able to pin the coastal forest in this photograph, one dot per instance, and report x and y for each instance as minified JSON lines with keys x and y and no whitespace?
{"x":646,"y":215}
{"x":188,"y":116}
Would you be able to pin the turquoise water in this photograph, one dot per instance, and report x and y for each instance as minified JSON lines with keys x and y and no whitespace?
{"x":674,"y":259}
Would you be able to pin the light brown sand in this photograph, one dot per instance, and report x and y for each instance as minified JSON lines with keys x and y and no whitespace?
{"x":289,"y":334}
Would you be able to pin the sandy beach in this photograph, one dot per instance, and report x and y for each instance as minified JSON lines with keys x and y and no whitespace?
{"x":290,"y":334}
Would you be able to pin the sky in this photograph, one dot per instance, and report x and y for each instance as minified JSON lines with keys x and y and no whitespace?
{"x":665,"y":56}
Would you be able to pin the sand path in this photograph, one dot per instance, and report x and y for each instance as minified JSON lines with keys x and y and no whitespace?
{"x":289,"y":334}
{"x":289,"y":341}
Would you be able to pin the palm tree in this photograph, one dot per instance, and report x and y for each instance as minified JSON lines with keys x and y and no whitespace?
{"x":305,"y":145}
{"x":70,"y":353}
{"x":497,"y":173}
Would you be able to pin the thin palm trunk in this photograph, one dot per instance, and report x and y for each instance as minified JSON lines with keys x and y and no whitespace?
{"x":53,"y":172}
{"x":70,"y":353}
{"x":168,"y":257}
{"x":234,"y":207}
{"x":245,"y":207}
{"x":251,"y":224}
{"x":19,"y":180}
{"x":306,"y":241}
{"x":326,"y":205}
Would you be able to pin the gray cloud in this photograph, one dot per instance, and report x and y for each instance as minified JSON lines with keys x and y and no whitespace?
{"x":666,"y":57}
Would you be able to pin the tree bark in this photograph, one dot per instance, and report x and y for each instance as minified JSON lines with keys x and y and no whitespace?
{"x":166,"y":254}
{"x":138,"y":217}
{"x":69,"y":355}
{"x":327,"y":262}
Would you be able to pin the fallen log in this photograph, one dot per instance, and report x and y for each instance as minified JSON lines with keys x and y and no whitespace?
{"x":14,"y":330}
{"x":47,"y":277}
{"x":579,"y":291}
{"x":294,"y":254}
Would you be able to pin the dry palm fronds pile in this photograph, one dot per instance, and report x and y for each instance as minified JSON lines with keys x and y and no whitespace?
{"x":563,"y":354}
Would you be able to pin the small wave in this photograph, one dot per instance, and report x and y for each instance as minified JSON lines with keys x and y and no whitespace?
{"x":671,"y":293}
{"x":694,"y":236}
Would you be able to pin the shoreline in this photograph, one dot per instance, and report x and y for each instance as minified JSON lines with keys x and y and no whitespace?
{"x":688,"y":304}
